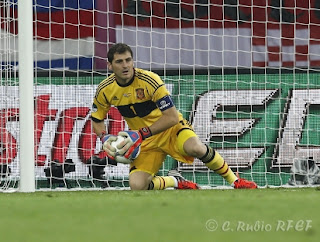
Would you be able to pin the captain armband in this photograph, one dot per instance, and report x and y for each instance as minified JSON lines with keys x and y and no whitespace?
{"x":165,"y":103}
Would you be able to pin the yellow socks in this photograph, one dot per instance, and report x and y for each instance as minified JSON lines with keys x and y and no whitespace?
{"x":214,"y":161}
{"x":163,"y":182}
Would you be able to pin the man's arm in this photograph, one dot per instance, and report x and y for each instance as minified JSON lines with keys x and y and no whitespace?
{"x":99,"y":128}
{"x":168,"y":119}
{"x":133,"y":139}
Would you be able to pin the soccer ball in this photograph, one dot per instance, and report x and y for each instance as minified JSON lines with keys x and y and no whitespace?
{"x":120,"y":158}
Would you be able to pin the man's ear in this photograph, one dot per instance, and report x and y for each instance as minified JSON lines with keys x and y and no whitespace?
{"x":109,"y":66}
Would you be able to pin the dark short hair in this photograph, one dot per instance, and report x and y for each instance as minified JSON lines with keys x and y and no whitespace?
{"x":118,"y":48}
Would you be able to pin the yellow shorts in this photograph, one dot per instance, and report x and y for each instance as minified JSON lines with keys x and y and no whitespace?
{"x":155,"y":149}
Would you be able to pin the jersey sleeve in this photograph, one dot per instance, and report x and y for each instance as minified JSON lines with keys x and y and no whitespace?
{"x":100,"y":107}
{"x":161,"y":95}
{"x":158,"y":89}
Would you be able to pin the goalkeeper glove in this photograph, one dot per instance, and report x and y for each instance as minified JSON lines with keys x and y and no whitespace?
{"x":106,"y":140}
{"x":130,"y":146}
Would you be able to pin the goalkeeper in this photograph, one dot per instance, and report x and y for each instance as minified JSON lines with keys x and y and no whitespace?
{"x":155,"y":126}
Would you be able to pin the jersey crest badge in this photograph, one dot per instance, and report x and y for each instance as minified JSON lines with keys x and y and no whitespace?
{"x":140,"y":93}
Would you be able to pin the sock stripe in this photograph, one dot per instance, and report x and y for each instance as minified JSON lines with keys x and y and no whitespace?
{"x":225,"y":172}
{"x":223,"y":168}
{"x":159,"y":180}
{"x":209,"y":155}
{"x":205,"y":154}
{"x":163,"y":182}
{"x":224,"y":162}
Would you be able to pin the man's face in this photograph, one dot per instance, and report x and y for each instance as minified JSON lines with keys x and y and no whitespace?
{"x":122,"y":67}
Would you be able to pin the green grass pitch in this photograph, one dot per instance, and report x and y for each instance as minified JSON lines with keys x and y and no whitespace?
{"x":171,"y":215}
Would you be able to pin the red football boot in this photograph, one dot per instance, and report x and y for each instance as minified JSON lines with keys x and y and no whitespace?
{"x":182,"y":182}
{"x":244,"y":184}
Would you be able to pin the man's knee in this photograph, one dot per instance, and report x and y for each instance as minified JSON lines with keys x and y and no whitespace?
{"x":194,"y":147}
{"x":138,"y":185}
{"x":139,"y":180}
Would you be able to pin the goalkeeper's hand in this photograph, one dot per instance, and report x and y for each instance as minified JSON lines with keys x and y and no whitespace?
{"x":130,"y":146}
{"x":107,"y":147}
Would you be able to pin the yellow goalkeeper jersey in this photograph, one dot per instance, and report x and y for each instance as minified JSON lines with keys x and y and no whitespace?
{"x":140,"y":101}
